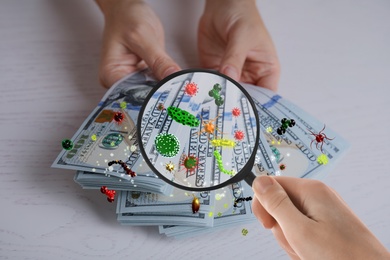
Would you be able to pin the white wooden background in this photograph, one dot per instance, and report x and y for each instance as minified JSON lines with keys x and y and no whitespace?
{"x":335,"y":61}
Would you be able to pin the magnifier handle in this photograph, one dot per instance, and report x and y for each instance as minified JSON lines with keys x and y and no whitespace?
{"x":249,"y":178}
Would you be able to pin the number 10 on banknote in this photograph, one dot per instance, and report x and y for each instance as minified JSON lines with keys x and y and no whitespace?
{"x":199,"y":130}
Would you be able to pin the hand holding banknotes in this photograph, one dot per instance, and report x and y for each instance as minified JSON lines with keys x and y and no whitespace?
{"x":311,"y":221}
{"x":133,"y":39}
{"x":231,"y":38}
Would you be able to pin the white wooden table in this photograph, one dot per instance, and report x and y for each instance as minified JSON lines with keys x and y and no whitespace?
{"x":335,"y":61}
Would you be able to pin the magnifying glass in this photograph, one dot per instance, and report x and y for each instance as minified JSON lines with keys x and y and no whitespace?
{"x":199,"y":130}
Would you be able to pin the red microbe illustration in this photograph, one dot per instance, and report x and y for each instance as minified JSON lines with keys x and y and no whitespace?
{"x":118,"y":117}
{"x":160,"y":107}
{"x":190,"y":163}
{"x":191,"y":89}
{"x":239,"y":135}
{"x":319,"y":138}
{"x":236,"y":112}
{"x":109,"y":193}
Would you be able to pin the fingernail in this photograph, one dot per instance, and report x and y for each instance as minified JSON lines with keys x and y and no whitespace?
{"x":169,"y":71}
{"x":262,"y":184}
{"x":231,"y":72}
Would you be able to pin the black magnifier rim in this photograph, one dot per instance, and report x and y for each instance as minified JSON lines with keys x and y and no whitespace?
{"x":247,"y":169}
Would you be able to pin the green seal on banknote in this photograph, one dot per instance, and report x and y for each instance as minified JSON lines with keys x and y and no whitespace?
{"x":111,"y":141}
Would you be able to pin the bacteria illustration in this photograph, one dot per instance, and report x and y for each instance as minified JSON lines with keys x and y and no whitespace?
{"x":182,"y":117}
{"x":319,"y":138}
{"x":167,"y":145}
{"x":285,"y":124}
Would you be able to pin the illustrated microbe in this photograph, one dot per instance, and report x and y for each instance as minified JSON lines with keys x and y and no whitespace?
{"x":282,"y":166}
{"x":125,"y":167}
{"x":123,"y":105}
{"x":191,"y":89}
{"x":160,"y":107}
{"x":170,"y":167}
{"x":218,"y":158}
{"x":322,"y":159}
{"x":67,"y":144}
{"x":241,"y":199}
{"x":167,"y":145}
{"x":190,"y":163}
{"x":236,"y":112}
{"x":223,"y":142}
{"x":239,"y":135}
{"x":118,"y":117}
{"x":285,"y":124}
{"x":109,"y":193}
{"x":183,"y":117}
{"x":195,"y":205}
{"x":319,"y":138}
{"x":209,"y":127}
{"x":215,"y":92}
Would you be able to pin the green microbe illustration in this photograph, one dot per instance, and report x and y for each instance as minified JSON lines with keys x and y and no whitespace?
{"x":167,"y":144}
{"x":183,"y":117}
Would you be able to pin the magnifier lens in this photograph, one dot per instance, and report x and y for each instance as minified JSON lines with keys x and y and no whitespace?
{"x":198,"y":130}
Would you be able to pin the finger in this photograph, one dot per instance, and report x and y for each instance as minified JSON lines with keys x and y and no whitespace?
{"x":312,"y":197}
{"x":280,"y":237}
{"x":156,"y":58}
{"x":116,"y":62}
{"x":235,"y":54}
{"x":277,"y":203}
{"x":270,"y":80}
{"x":262,"y":215}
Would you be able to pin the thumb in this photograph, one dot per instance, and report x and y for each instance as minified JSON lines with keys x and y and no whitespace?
{"x":277,"y":203}
{"x":158,"y":60}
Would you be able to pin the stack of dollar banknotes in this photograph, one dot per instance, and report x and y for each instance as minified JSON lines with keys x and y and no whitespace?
{"x":105,"y":154}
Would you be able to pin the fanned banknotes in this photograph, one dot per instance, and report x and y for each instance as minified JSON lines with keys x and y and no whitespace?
{"x":147,"y":200}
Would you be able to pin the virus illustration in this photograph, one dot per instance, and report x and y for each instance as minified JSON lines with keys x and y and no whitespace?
{"x":215,"y":92}
{"x":239,"y":135}
{"x":319,"y":138}
{"x":123,"y":105}
{"x":241,"y":199}
{"x":118,"y":117}
{"x":322,"y":159}
{"x":125,"y":167}
{"x":160,"y":107}
{"x":67,"y":144}
{"x":236,"y":112}
{"x":282,"y":166}
{"x":190,"y":162}
{"x":208,"y":127}
{"x":109,"y":193}
{"x":195,"y":204}
{"x":223,"y":142}
{"x":218,"y":158}
{"x":167,"y":145}
{"x":183,"y":117}
{"x":285,"y":124}
{"x":170,"y":167}
{"x":191,"y":89}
